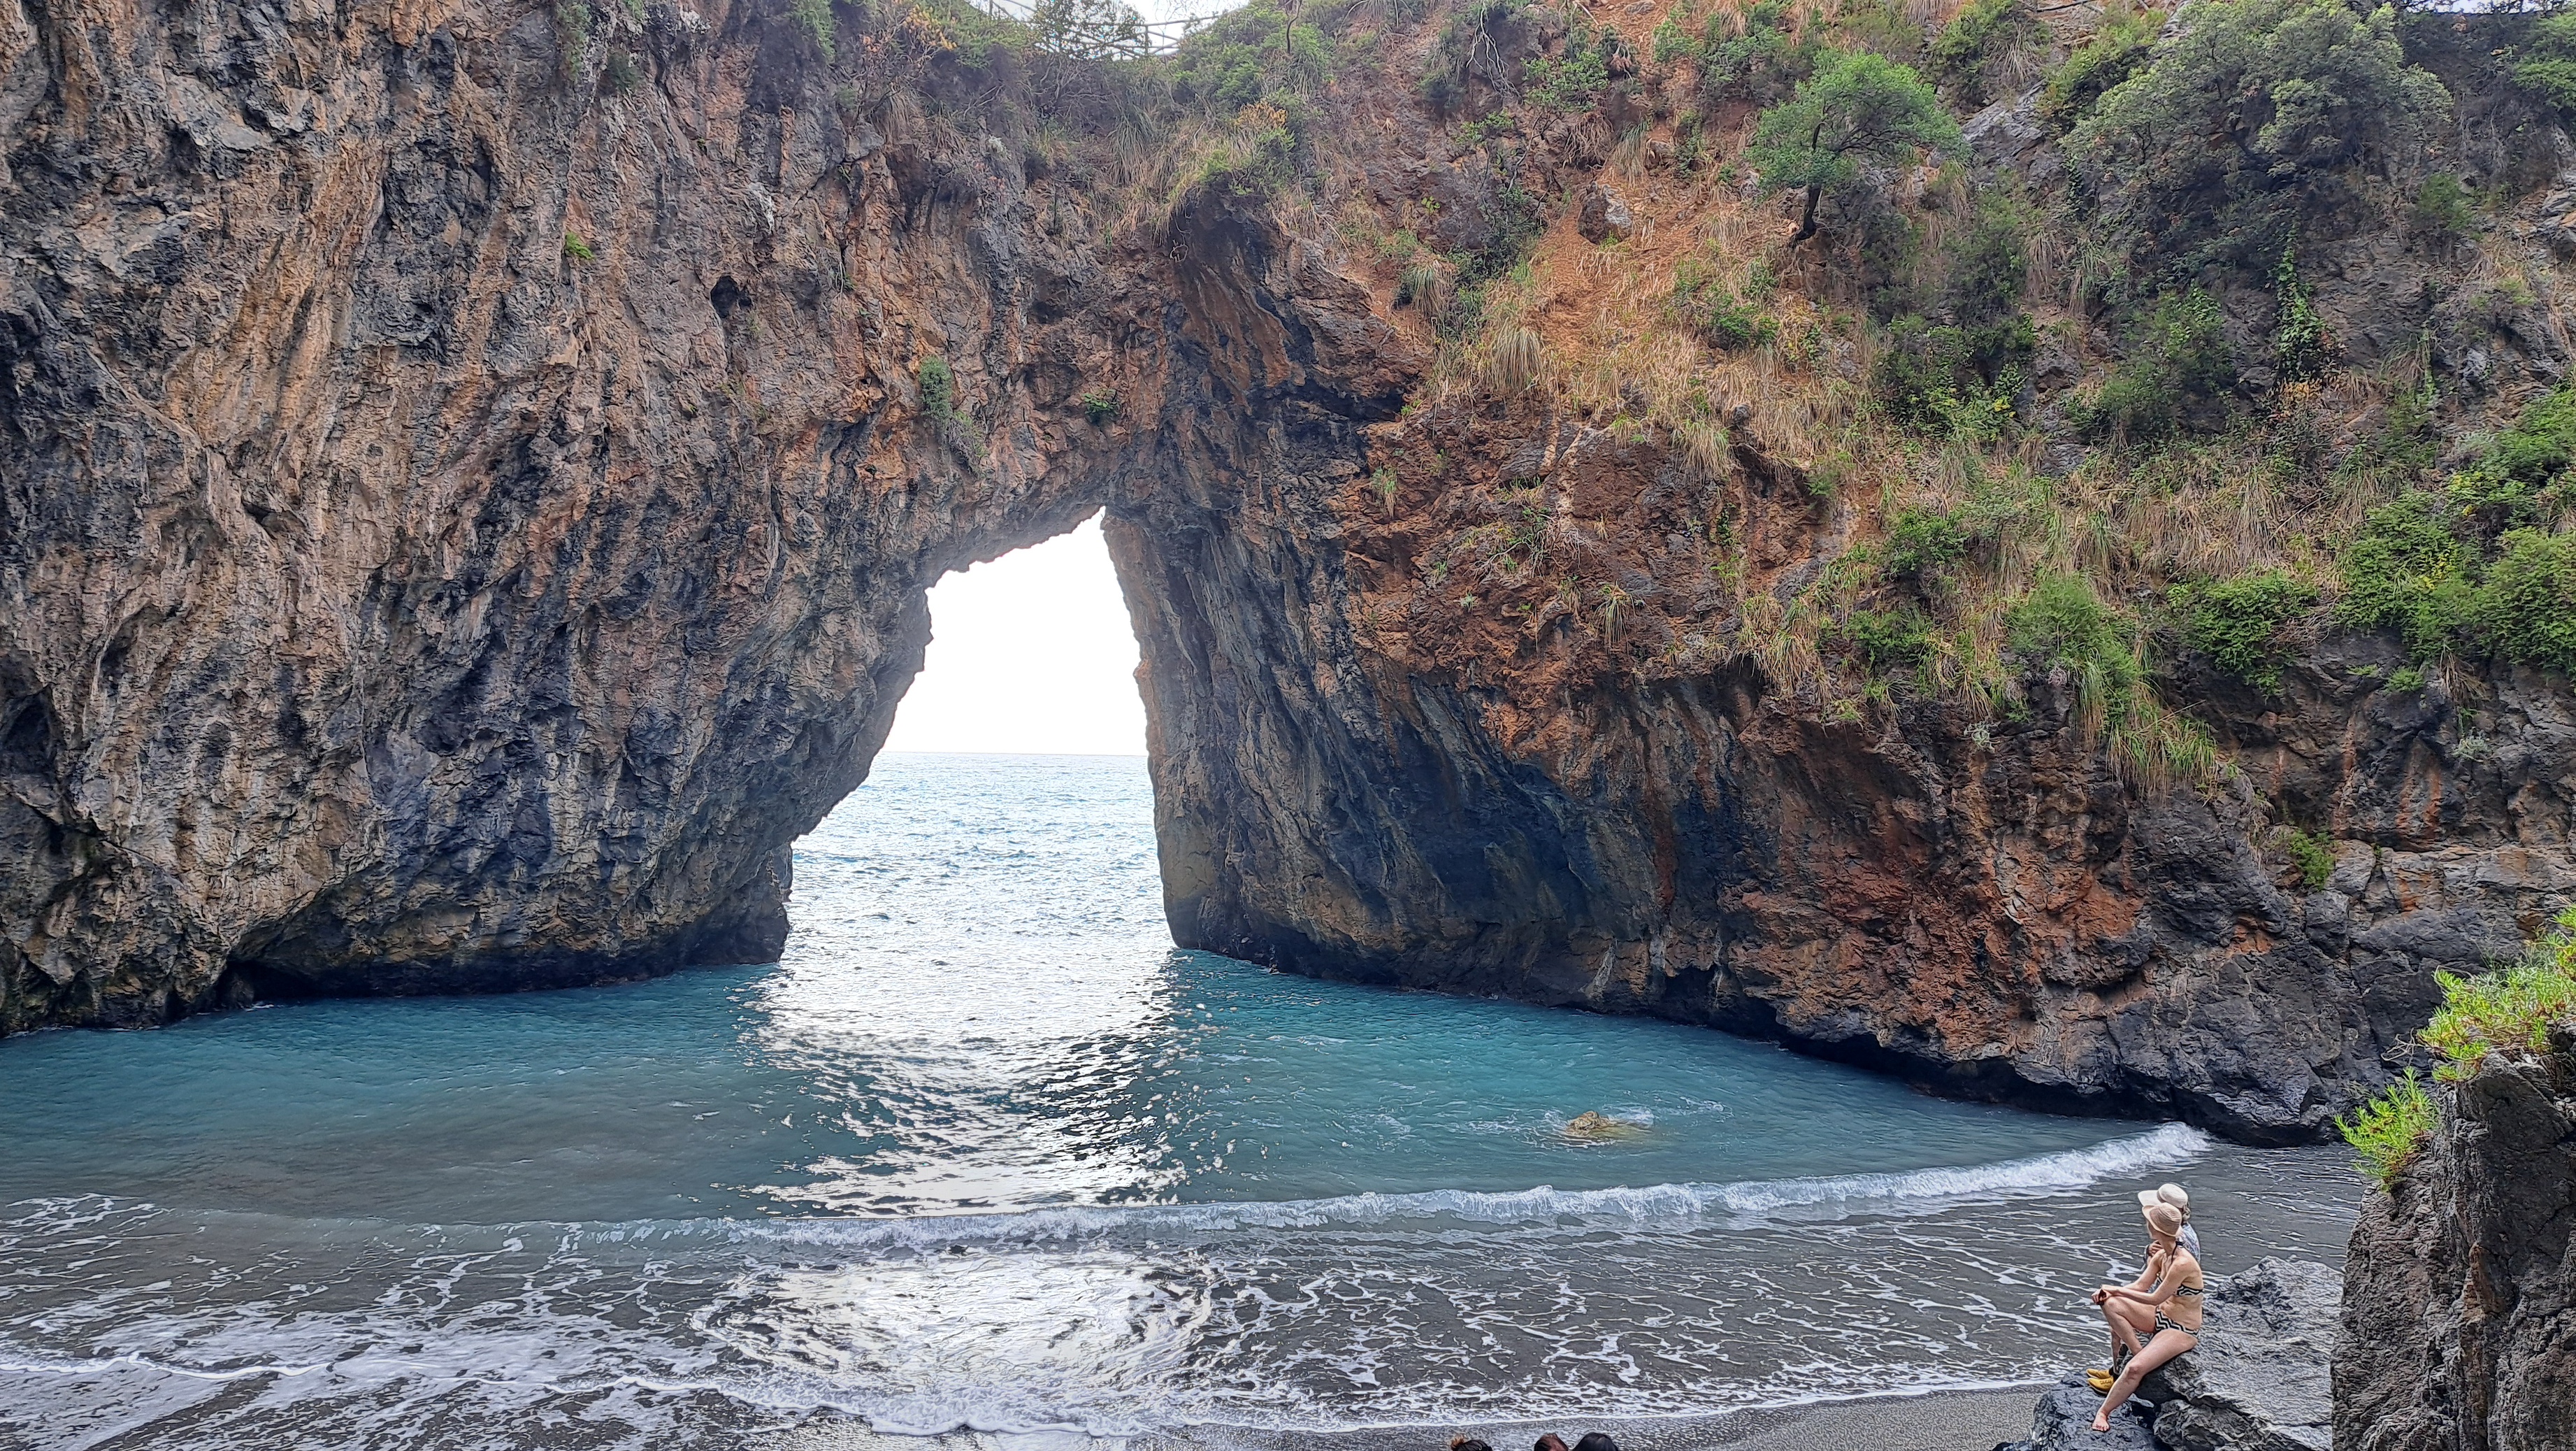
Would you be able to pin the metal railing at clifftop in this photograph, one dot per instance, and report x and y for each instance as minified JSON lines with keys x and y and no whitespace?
{"x":1096,"y":29}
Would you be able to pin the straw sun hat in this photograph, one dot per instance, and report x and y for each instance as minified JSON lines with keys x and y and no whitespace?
{"x":2170,"y":1195}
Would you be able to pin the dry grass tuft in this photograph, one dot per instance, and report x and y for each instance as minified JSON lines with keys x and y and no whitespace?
{"x":1516,"y":362}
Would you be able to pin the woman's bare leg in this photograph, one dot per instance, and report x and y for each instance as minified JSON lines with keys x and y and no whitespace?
{"x":2166,"y":1345}
{"x":2130,"y":1325}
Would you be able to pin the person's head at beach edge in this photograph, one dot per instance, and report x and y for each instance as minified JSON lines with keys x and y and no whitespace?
{"x":2172,"y":1197}
{"x":1549,"y":1442}
{"x":1467,"y":1443}
{"x":1596,"y":1441}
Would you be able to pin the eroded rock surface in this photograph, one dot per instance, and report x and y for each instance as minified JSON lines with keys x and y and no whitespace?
{"x":462,"y":524}
{"x":2256,"y":1381}
{"x":2259,"y":1380}
{"x":2459,"y":1304}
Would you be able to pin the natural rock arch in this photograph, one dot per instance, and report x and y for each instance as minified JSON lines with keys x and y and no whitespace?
{"x":472,"y":565}
{"x":460,"y":526}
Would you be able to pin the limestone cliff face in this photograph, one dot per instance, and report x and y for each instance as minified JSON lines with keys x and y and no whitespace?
{"x":2459,"y":1307}
{"x":463,"y":519}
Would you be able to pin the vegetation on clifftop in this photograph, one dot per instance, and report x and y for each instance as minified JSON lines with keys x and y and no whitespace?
{"x":2506,"y":1013}
{"x":2095,"y":355}
{"x":2386,"y":1130}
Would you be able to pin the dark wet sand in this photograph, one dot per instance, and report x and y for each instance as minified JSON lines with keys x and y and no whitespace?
{"x":1944,"y":1421}
{"x":1950,"y":1421}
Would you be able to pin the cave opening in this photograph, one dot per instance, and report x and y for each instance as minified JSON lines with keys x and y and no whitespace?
{"x":1015,"y":768}
{"x":1031,"y":654}
{"x":1001,"y":848}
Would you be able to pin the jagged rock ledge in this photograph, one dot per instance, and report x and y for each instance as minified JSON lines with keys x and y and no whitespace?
{"x":2258,"y":1380}
{"x":2459,"y":1301}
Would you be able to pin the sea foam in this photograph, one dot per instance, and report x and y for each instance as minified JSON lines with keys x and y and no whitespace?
{"x":1916,"y":1191}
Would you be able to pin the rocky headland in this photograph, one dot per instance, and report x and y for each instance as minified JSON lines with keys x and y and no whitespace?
{"x":2459,"y":1306}
{"x":469,"y":477}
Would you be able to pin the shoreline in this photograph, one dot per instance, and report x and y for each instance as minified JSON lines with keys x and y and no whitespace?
{"x":1932,"y":1420}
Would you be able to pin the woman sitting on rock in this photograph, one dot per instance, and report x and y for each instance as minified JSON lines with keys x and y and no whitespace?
{"x":2138,"y":1309}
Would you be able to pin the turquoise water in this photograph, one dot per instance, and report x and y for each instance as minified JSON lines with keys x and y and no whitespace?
{"x":986,"y":1152}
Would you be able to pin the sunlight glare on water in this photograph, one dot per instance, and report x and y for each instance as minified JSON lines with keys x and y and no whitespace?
{"x":985,"y":1150}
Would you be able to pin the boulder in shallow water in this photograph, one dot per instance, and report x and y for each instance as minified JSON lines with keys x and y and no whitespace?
{"x":2063,"y":1421}
{"x":2261,"y":1378}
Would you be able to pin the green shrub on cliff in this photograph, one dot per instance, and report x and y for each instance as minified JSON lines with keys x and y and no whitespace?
{"x":1973,"y":49}
{"x":2181,"y":374}
{"x":1959,"y":345}
{"x":2387,"y":1129}
{"x":2546,"y":63}
{"x":2526,"y":608}
{"x":1952,"y":381}
{"x":2063,"y":624}
{"x":2418,"y":566}
{"x":2301,"y":347}
{"x":1887,"y":639}
{"x":1759,"y":57}
{"x":1252,"y":53}
{"x":2506,"y":1011}
{"x":1572,"y":81}
{"x":2237,"y":622}
{"x":941,"y":404}
{"x":1922,"y":543}
{"x":1262,"y":153}
{"x":1720,"y":314}
{"x":2259,"y":116}
{"x":2408,"y":572}
{"x":2312,"y":854}
{"x":815,"y":18}
{"x":2524,"y":473}
{"x":2444,"y":209}
{"x":2113,"y":54}
{"x":1857,"y":116}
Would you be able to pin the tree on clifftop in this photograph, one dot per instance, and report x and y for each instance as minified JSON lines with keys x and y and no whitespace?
{"x":2248,"y":130}
{"x":1857,"y":112}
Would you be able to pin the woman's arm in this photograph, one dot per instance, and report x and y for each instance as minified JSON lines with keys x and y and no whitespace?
{"x":2146,"y":1278}
{"x":2166,"y":1288}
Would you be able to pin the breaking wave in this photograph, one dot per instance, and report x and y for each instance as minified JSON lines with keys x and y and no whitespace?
{"x":1916,"y":1191}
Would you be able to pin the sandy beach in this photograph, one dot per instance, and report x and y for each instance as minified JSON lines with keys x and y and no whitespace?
{"x":1940,"y":1421}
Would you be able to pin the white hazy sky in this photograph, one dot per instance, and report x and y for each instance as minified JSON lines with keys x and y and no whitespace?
{"x":1032,"y":654}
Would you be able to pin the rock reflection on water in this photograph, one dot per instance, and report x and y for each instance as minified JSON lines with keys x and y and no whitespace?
{"x":985,"y":1152}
